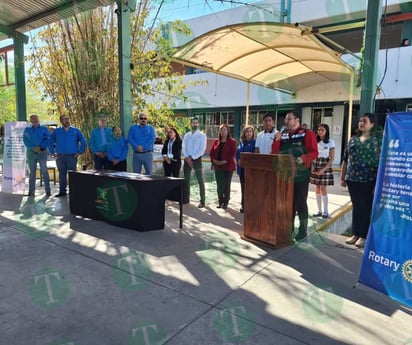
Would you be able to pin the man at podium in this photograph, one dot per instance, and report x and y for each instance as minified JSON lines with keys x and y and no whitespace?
{"x":301,"y":144}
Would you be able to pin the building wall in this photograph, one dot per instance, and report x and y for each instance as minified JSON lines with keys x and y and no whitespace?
{"x":335,"y":123}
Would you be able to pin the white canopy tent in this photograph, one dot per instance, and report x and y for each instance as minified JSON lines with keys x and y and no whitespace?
{"x":284,"y":57}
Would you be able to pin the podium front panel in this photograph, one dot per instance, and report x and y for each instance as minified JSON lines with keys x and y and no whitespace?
{"x":268,"y":199}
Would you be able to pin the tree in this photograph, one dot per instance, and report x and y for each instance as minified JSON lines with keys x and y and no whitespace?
{"x":7,"y":94}
{"x":35,"y":105}
{"x":75,"y":64}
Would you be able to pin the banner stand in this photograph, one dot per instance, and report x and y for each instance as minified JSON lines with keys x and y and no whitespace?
{"x":14,"y":157}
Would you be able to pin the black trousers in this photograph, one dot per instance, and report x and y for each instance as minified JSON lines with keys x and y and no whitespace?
{"x":172,"y":169}
{"x":223,"y":182}
{"x":101,"y":163}
{"x":121,"y":166}
{"x":361,"y":195}
{"x":187,"y":171}
{"x":300,"y":205}
{"x":242,"y":187}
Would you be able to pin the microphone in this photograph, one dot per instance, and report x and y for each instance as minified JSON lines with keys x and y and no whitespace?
{"x":284,"y":130}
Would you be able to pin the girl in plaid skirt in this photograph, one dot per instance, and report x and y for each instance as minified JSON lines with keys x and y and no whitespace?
{"x":321,"y":175}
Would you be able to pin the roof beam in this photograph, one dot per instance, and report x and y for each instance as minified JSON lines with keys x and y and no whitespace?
{"x":6,"y":49}
{"x":397,"y":18}
{"x":14,"y":34}
{"x":49,"y":12}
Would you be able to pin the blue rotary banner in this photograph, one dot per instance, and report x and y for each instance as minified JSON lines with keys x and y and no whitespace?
{"x":387,"y":260}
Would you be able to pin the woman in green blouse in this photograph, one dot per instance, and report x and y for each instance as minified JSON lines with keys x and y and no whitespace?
{"x":359,"y":170}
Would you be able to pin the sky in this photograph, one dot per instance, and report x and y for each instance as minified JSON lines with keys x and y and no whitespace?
{"x":188,"y":9}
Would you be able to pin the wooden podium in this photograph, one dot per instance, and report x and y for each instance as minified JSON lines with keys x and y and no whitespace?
{"x":268,"y":198}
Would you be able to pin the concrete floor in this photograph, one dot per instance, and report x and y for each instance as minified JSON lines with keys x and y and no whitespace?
{"x":68,"y":280}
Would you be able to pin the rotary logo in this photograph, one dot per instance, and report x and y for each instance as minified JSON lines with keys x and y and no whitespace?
{"x":407,"y":270}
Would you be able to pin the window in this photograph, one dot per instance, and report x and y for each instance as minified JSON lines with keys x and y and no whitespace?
{"x":321,"y":115}
{"x":255,"y":119}
{"x":212,"y":121}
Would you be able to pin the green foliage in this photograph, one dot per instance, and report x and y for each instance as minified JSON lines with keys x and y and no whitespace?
{"x":8,"y":101}
{"x":36,"y":104}
{"x":74,"y":67}
{"x":5,"y":65}
{"x":362,"y":60}
{"x":163,"y":118}
{"x":8,"y":104}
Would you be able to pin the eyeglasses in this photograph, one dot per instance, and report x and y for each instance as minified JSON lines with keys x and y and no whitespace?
{"x":143,"y":118}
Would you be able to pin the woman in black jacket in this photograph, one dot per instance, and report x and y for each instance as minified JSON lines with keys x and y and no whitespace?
{"x":172,"y":151}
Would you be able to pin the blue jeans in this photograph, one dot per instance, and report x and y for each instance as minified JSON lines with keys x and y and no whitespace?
{"x":41,"y":158}
{"x":65,"y":163}
{"x":145,"y":160}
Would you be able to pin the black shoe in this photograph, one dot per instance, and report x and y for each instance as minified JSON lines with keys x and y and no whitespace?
{"x":29,"y":194}
{"x":241,"y":210}
{"x":224,"y":206}
{"x":301,"y":236}
{"x":60,"y":195}
{"x":48,"y":194}
{"x":201,"y":205}
{"x":325,"y":215}
{"x":219,"y":206}
{"x":317,"y":214}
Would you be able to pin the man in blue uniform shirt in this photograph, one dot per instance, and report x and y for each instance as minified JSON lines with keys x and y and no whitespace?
{"x":141,"y":138}
{"x":98,"y":143}
{"x":66,"y":144}
{"x":35,"y":138}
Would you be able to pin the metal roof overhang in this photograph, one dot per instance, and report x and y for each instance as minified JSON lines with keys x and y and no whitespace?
{"x":18,"y":17}
{"x":281,"y":56}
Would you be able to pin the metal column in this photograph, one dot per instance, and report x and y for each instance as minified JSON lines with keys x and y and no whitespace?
{"x":20,"y":80}
{"x":370,"y":56}
{"x":124,"y":47}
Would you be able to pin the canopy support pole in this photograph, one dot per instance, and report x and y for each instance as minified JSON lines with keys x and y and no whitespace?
{"x":247,"y":104}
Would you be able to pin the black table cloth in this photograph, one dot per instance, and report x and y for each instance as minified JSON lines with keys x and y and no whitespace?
{"x":124,"y":199}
